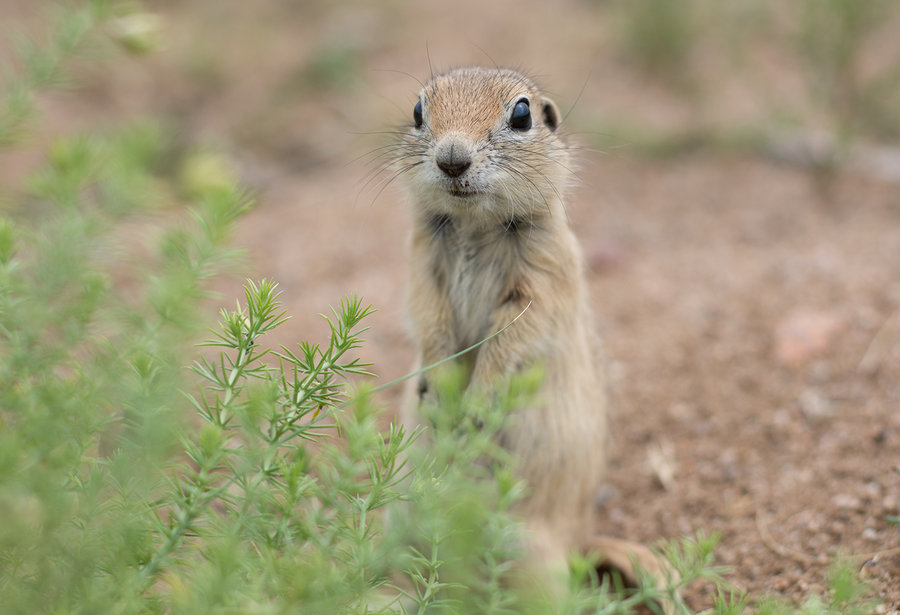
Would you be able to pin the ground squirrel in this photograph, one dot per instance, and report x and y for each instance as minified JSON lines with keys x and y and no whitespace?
{"x":487,"y":172}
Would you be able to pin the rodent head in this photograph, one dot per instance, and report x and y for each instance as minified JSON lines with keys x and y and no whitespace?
{"x":484,"y":140}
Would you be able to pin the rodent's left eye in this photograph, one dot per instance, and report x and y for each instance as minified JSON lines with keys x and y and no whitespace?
{"x":417,"y":114}
{"x":521,"y":116}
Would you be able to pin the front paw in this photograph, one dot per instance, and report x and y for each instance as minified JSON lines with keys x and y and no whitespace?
{"x":422,"y":388}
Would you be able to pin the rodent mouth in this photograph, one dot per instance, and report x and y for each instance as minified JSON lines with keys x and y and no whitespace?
{"x":462,"y":194}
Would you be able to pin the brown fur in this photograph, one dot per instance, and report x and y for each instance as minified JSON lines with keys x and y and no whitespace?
{"x":491,"y":236}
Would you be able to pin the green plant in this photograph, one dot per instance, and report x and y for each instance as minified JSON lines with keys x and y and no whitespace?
{"x":43,"y":65}
{"x":660,"y":36}
{"x":893,"y":519}
{"x":335,"y":65}
{"x":847,"y":596}
{"x":90,"y":356}
{"x":832,"y":37}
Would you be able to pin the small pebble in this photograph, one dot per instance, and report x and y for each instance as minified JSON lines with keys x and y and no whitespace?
{"x":846,"y":501}
{"x":605,"y":495}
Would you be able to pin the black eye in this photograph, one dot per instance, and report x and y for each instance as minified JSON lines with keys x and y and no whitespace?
{"x":417,"y":114}
{"x":521,"y":116}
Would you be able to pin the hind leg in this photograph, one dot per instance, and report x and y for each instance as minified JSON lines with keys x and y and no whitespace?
{"x":543,"y":573}
{"x":628,"y":558}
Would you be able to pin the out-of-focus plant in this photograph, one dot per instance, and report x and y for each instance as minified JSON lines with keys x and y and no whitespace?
{"x":660,"y":36}
{"x":93,"y":334}
{"x":833,"y":37}
{"x":41,"y":66}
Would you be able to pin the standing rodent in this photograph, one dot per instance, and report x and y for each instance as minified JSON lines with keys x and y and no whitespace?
{"x":487,"y":173}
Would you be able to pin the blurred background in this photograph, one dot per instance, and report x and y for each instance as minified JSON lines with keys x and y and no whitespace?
{"x":738,"y":199}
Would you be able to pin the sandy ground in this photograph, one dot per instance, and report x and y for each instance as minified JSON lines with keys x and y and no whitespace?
{"x":752,"y":318}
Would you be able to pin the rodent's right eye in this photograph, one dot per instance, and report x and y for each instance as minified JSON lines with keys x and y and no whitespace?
{"x":417,"y":114}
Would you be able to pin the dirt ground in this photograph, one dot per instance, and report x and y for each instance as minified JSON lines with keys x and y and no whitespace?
{"x":751,"y":314}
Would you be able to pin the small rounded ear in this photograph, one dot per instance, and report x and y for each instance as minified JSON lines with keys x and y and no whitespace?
{"x":550,"y":113}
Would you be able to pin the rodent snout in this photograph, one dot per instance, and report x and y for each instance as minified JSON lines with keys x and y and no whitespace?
{"x":453,"y":156}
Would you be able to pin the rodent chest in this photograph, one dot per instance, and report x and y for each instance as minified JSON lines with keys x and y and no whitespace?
{"x":477,"y":269}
